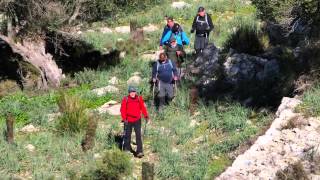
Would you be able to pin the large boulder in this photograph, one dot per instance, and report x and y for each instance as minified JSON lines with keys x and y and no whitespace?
{"x":252,"y":80}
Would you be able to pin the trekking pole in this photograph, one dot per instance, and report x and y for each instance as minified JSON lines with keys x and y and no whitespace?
{"x":125,"y":123}
{"x":145,"y":129}
{"x":175,"y":88}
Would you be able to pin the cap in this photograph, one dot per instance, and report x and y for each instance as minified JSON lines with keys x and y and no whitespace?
{"x":201,"y":9}
{"x":172,"y":39}
{"x":132,"y":89}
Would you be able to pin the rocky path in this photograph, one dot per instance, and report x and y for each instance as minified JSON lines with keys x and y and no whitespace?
{"x":292,"y":139}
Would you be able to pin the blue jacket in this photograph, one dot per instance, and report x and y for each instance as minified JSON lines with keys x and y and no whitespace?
{"x":165,"y":71}
{"x":166,"y":29}
{"x":180,"y":36}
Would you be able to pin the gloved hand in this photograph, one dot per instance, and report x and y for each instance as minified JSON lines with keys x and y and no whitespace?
{"x":192,"y":31}
{"x":175,"y":78}
{"x":147,"y":119}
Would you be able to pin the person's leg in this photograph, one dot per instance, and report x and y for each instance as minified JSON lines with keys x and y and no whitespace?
{"x":161,"y":95}
{"x":170,"y":91}
{"x":137,"y":130}
{"x":127,"y":137}
{"x":197,"y":44}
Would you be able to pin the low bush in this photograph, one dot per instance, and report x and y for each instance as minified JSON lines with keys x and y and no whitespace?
{"x":74,"y":117}
{"x":115,"y":164}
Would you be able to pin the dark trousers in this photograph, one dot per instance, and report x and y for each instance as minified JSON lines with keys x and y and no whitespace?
{"x":128,"y":131}
{"x":200,"y":43}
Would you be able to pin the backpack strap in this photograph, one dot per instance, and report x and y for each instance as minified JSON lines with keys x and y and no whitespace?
{"x":206,"y":17}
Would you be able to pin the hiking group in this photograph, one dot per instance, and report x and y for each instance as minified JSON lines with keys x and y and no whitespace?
{"x":166,"y":72}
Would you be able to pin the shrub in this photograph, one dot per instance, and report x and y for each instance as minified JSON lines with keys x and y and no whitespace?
{"x":87,"y":76}
{"x":115,"y":164}
{"x":74,"y":117}
{"x":245,"y":37}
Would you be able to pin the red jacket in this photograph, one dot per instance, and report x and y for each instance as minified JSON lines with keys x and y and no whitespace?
{"x":131,"y":108}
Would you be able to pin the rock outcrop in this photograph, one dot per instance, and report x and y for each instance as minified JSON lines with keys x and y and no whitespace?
{"x":252,"y":80}
{"x":289,"y":140}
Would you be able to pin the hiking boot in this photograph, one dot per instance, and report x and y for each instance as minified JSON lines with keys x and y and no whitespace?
{"x":140,"y":155}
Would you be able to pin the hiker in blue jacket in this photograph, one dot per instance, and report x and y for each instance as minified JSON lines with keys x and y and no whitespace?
{"x":164,"y":72}
{"x":166,"y":29}
{"x":178,"y":34}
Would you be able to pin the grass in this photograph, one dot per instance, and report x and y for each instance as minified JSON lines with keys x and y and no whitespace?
{"x":222,"y":126}
{"x":310,"y":105}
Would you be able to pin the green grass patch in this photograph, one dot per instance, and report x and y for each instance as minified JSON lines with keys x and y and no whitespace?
{"x":218,"y":165}
{"x":310,"y":105}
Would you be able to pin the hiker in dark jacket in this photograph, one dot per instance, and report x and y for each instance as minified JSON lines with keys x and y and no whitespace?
{"x":164,"y":72}
{"x":131,"y":108}
{"x":203,"y":25}
{"x":176,"y":53}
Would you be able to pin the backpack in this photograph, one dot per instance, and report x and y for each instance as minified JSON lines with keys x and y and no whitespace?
{"x":158,"y":64}
{"x":201,"y":25}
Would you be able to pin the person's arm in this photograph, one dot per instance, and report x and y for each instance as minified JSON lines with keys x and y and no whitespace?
{"x":143,"y":108}
{"x":154,"y":70}
{"x":194,"y":24}
{"x":164,"y":32}
{"x":174,"y":69}
{"x":123,"y":109}
{"x":166,"y":37}
{"x":210,"y":23}
{"x":185,"y":39}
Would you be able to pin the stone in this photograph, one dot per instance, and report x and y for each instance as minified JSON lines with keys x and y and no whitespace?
{"x":106,"y":30}
{"x":193,"y":123}
{"x":29,"y":129}
{"x":135,"y":80}
{"x":277,"y":149}
{"x":175,"y":150}
{"x":122,"y":54}
{"x":103,"y":90}
{"x":123,"y":29}
{"x":150,"y":28}
{"x":97,"y":156}
{"x":53,"y":116}
{"x":180,"y":5}
{"x":30,"y":148}
{"x":111,"y":107}
{"x":113,"y":81}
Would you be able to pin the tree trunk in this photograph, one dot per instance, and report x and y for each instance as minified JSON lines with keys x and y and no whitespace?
{"x":10,"y":29}
{"x":88,"y":141}
{"x":147,"y":171}
{"x":137,"y":34}
{"x":35,"y":54}
{"x":10,"y":128}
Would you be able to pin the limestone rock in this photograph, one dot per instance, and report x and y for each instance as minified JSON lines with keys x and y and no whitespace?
{"x":135,"y":80}
{"x":104,"y":90}
{"x":150,"y":28}
{"x":123,"y":29}
{"x":53,"y":116}
{"x":277,"y":149}
{"x":114,"y":81}
{"x":180,"y":5}
{"x":29,"y":129}
{"x":30,"y":148}
{"x":111,"y":107}
{"x":105,"y":30}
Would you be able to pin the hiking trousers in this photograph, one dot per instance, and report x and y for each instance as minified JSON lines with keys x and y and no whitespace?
{"x":128,"y":131}
{"x":165,"y":90}
{"x":200,"y":43}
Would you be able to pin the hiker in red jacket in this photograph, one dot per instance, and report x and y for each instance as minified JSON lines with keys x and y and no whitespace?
{"x":131,"y":108}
